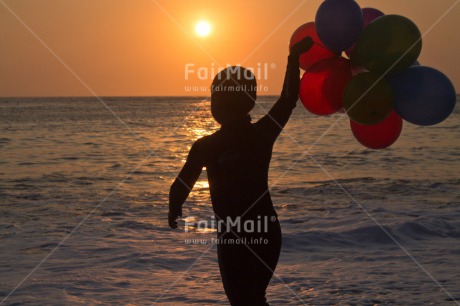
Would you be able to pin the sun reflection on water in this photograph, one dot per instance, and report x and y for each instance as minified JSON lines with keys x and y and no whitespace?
{"x":201,"y":123}
{"x":202,"y":184}
{"x":206,"y":230}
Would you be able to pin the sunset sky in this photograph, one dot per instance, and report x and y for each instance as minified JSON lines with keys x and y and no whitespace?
{"x":141,"y":47}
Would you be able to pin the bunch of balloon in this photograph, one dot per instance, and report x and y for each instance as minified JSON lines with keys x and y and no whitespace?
{"x":380,"y":83}
{"x":388,"y":48}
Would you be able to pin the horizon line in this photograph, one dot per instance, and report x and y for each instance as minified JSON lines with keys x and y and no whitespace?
{"x":120,"y":96}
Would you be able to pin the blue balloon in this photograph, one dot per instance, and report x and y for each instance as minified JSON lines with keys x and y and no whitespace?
{"x":339,"y":24}
{"x":423,"y":95}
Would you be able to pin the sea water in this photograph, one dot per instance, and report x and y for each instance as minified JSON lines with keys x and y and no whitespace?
{"x":84,"y":188}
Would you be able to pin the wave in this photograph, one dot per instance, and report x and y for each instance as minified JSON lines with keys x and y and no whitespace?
{"x":421,"y":228}
{"x":364,"y":184}
{"x":135,"y":225}
{"x":4,"y":141}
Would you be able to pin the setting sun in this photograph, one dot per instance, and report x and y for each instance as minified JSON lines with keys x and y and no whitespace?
{"x":203,"y":28}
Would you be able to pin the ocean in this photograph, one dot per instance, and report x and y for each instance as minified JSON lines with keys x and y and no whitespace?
{"x":84,"y":191}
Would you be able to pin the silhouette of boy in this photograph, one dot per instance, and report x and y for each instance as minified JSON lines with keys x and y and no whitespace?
{"x":237,"y":159}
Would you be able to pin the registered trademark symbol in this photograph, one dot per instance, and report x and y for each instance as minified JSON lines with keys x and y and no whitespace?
{"x":273,"y":66}
{"x":273,"y":218}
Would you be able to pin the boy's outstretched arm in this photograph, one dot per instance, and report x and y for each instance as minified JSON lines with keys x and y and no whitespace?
{"x":272,"y":123}
{"x":183,"y":184}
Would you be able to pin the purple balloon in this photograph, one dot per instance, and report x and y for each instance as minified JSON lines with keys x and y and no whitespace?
{"x":339,"y":24}
{"x":369,"y":15}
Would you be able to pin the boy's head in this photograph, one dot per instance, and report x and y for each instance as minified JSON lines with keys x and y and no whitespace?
{"x":233,"y":94}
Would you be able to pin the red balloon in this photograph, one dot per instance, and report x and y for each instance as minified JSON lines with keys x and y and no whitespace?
{"x":316,"y":53}
{"x":322,"y":86}
{"x":381,"y":135}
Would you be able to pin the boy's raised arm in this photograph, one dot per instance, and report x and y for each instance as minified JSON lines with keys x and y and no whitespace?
{"x":272,"y":123}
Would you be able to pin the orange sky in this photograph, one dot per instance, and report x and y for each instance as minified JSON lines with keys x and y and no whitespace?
{"x":141,"y":47}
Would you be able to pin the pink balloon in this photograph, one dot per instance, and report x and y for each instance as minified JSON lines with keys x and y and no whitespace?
{"x":380,"y":135}
{"x":369,"y":15}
